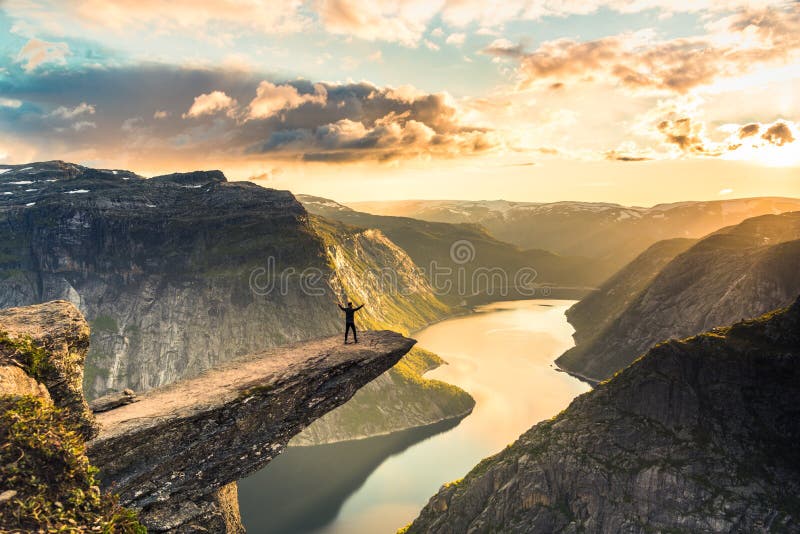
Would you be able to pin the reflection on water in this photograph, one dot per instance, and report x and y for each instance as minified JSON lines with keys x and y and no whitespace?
{"x":502,"y":356}
{"x":318,"y":479}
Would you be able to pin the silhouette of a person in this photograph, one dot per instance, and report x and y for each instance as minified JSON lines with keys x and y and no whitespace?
{"x":350,"y":320}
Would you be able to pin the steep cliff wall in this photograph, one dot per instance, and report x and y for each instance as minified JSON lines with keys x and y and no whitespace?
{"x":698,"y":435}
{"x":162,"y":267}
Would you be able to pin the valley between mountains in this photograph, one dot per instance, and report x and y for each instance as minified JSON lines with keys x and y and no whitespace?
{"x":216,"y":303}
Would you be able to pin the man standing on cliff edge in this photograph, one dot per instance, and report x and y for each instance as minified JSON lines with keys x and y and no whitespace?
{"x":350,"y":320}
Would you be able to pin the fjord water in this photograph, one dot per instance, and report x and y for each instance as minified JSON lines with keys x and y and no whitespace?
{"x":502,"y":355}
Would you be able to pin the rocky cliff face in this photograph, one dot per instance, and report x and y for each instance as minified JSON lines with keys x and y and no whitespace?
{"x":698,"y":435}
{"x":161,"y":267}
{"x":46,"y":480}
{"x":43,"y":348}
{"x":738,"y":272}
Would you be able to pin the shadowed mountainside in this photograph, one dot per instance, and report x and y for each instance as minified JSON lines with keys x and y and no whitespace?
{"x":738,"y":272}
{"x":593,"y":313}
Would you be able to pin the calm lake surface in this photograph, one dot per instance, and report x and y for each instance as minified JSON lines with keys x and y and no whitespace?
{"x":502,"y":355}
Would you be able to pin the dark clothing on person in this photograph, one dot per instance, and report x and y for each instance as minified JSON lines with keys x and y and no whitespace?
{"x":347,"y":329}
{"x":350,"y":320}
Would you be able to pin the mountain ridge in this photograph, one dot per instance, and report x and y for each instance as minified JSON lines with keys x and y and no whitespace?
{"x":736,"y":272}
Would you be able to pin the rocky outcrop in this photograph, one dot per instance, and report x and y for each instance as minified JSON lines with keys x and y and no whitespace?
{"x":698,"y":435}
{"x":113,"y":400}
{"x":169,"y":452}
{"x":49,"y":342}
{"x":46,"y":480}
{"x":738,"y":272}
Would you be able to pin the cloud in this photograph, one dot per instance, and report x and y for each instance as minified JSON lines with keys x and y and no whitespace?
{"x":37,"y":52}
{"x":691,"y":137}
{"x":688,"y":135}
{"x":430,"y":45}
{"x":734,"y":46}
{"x":749,"y":129}
{"x":456,"y":39}
{"x":69,"y":113}
{"x":390,"y":137}
{"x":274,"y":120}
{"x":402,"y":21}
{"x":271,"y":99}
{"x":83,"y":125}
{"x":380,"y":124}
{"x":778,"y":134}
{"x":209,"y":104}
{"x":504,"y":48}
{"x":181,"y":15}
{"x":614,"y":155}
{"x":387,"y":20}
{"x":10,"y":102}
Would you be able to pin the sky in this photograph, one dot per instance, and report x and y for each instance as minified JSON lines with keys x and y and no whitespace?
{"x":637,"y":102}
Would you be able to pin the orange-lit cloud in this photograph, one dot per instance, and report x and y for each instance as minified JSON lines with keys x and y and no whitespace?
{"x":209,"y":104}
{"x":639,"y":61}
{"x":239,"y":116}
{"x":37,"y":52}
{"x":271,"y":99}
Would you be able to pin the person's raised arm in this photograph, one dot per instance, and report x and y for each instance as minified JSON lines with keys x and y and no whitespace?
{"x":341,"y":307}
{"x":359,"y":307}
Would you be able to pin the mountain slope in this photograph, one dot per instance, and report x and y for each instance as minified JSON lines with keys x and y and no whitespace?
{"x":738,"y":272}
{"x":611,"y":232}
{"x":698,"y":435}
{"x":463,"y":261}
{"x":592,"y":314}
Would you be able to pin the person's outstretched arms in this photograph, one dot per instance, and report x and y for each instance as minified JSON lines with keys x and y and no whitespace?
{"x":341,"y":307}
{"x":359,"y":308}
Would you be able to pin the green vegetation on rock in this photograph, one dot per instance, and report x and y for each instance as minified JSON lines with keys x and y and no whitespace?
{"x":46,"y":479}
{"x":33,"y":359}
